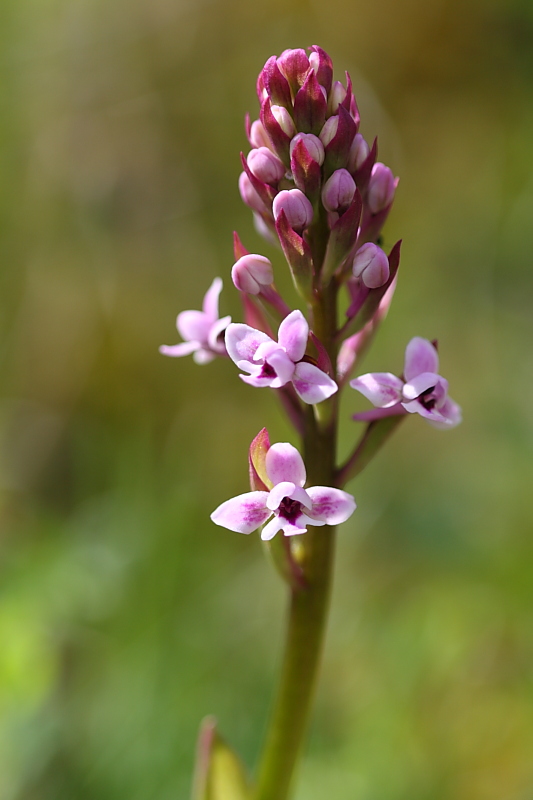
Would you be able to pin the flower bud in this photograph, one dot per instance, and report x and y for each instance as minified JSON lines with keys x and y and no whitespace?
{"x":284,"y":120}
{"x":265,"y":165}
{"x":251,"y":272}
{"x":338,"y":191}
{"x":381,"y":188}
{"x":322,"y":66}
{"x":312,"y":144}
{"x":258,"y":135}
{"x":249,"y":195}
{"x":359,"y":151}
{"x":337,"y":95}
{"x":329,"y":130}
{"x":294,"y":64}
{"x":298,"y":210}
{"x":371,"y":266}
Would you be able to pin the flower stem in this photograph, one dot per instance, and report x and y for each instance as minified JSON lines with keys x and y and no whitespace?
{"x":308,"y":604}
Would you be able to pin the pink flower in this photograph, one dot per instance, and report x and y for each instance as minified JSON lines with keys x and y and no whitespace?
{"x":201,"y":330}
{"x":292,"y":506}
{"x":422,"y":391}
{"x":274,"y":364}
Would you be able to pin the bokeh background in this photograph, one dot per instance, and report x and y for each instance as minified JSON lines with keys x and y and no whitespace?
{"x":125,"y":615}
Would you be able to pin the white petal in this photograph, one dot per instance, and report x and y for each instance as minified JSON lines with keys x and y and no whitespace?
{"x":421,"y":383}
{"x":203,"y":356}
{"x":284,"y":463}
{"x":420,"y":356}
{"x":270,"y":530}
{"x":244,"y":513}
{"x":330,"y":505}
{"x":215,"y":338}
{"x":383,"y":389}
{"x":210,"y":304}
{"x":193,"y":326}
{"x":288,"y":489}
{"x":292,"y":335}
{"x":177,"y":350}
{"x":242,"y":341}
{"x":312,"y":384}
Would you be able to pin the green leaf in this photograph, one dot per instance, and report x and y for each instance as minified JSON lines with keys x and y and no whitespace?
{"x":219,"y":773}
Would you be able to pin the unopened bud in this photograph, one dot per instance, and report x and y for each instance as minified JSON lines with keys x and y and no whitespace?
{"x":251,"y":272}
{"x":337,"y":95}
{"x":249,"y":195}
{"x":258,"y":135}
{"x":297,"y":208}
{"x":338,"y":191}
{"x":312,"y":144}
{"x":284,"y":120}
{"x":329,"y":130}
{"x":359,"y":151}
{"x":371,"y":266}
{"x":381,"y":188}
{"x":294,"y":64}
{"x":265,"y":165}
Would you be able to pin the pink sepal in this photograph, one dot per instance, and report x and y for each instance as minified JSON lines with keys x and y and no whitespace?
{"x":323,"y":361}
{"x":383,"y":389}
{"x":310,"y":106}
{"x":324,"y":69}
{"x":280,"y":140}
{"x":276,"y":84}
{"x":259,"y":447}
{"x":342,"y":237}
{"x":239,"y":250}
{"x":244,"y":513}
{"x":362,"y":175}
{"x":338,"y":148}
{"x":284,"y":463}
{"x":420,"y":356}
{"x":305,"y":171}
{"x":330,"y":506}
{"x":298,"y":255}
{"x":312,"y":384}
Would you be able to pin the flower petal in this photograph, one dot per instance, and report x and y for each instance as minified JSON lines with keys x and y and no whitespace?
{"x":193,"y":326}
{"x":270,"y":530}
{"x":292,"y":335}
{"x":421,"y":383}
{"x":379,"y":413}
{"x":331,"y":506}
{"x":383,"y":389}
{"x":284,"y":463}
{"x":312,"y":384}
{"x":447,"y":416}
{"x":420,"y":356}
{"x":183,"y":349}
{"x":210,"y":304}
{"x":244,"y":513}
{"x":288,"y":489}
{"x":242,"y":341}
{"x":215,"y":338}
{"x":203,"y":356}
{"x":293,"y":528}
{"x":282,"y":366}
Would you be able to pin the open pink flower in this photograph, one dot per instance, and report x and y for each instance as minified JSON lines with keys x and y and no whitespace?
{"x":201,"y":330}
{"x":291,"y":506}
{"x":274,"y":364}
{"x":422,"y":391}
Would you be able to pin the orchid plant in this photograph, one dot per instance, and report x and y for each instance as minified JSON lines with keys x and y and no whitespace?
{"x":316,"y":189}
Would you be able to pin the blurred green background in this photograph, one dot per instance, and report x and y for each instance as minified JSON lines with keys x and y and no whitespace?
{"x":125,"y":615}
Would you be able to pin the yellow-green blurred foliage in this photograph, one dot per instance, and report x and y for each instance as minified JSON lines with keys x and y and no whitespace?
{"x":125,"y":615}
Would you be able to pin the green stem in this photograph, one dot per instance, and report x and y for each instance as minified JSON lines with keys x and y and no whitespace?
{"x":308,"y":605}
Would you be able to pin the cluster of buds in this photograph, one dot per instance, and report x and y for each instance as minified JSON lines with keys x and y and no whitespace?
{"x":309,"y":167}
{"x":315,"y":186}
